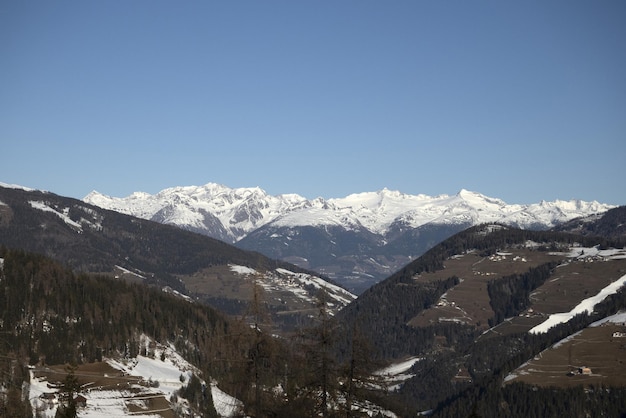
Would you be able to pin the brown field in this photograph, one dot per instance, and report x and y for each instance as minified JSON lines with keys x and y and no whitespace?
{"x":102,"y":377}
{"x":570,"y":284}
{"x":468,"y":302}
{"x":152,"y":404}
{"x":574,"y":282}
{"x":595,"y":348}
{"x":219,"y":281}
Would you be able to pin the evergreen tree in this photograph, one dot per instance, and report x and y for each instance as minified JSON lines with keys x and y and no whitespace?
{"x":67,"y":397}
{"x":322,"y":371}
{"x":358,"y":372}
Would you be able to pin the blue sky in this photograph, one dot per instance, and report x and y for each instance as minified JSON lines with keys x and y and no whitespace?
{"x":522,"y":101}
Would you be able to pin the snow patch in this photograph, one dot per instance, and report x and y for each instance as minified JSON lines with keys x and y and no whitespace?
{"x":64,"y":215}
{"x":586,"y":306}
{"x":396,"y":374}
{"x":299,"y":281}
{"x":618,"y":318}
{"x":398,"y":368}
{"x":242,"y":269}
{"x":302,"y":285}
{"x":587,"y":253}
{"x":225,"y":405}
{"x":164,"y":370}
{"x":126,"y":271}
{"x":15,"y":186}
{"x":171,"y":291}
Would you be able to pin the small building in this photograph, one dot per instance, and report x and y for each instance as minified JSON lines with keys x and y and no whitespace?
{"x":80,"y":401}
{"x":48,"y":396}
{"x":584,"y":370}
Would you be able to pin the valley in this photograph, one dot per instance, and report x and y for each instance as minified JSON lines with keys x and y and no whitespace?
{"x":155,"y":320}
{"x":356,"y":241}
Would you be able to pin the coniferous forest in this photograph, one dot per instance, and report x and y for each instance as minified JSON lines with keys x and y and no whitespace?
{"x":54,"y":316}
{"x":58,"y":313}
{"x":385,"y":308}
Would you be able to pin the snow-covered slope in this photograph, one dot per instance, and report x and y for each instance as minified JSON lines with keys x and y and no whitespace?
{"x":291,"y":287}
{"x":215,"y":210}
{"x":231,"y":214}
{"x":148,"y":388}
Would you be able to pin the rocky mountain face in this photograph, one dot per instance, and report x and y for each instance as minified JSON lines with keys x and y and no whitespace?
{"x":356,"y":241}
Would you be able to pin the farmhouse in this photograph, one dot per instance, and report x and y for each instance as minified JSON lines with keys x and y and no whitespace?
{"x":584,"y":370}
{"x":81,"y":401}
{"x":48,"y":396}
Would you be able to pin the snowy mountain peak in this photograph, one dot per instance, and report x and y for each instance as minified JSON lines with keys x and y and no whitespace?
{"x":231,"y":214}
{"x":478,"y":198}
{"x":216,"y":210}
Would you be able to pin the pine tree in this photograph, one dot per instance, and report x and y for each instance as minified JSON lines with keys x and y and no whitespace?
{"x":256,"y":354}
{"x":67,"y":408}
{"x":322,"y":374}
{"x":358,"y":373}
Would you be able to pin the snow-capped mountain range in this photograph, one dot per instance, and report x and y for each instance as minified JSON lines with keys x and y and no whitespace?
{"x":356,"y":240}
{"x":231,"y":214}
{"x":188,"y":265}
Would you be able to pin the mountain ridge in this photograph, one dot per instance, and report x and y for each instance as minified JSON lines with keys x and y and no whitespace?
{"x":356,"y":240}
{"x":243,"y":210}
{"x":95,"y":240}
{"x":463,"y":313}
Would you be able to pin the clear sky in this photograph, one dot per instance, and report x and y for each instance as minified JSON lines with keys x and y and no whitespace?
{"x":522,"y":101}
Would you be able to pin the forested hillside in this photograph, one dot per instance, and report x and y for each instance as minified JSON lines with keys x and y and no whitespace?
{"x":462,"y":367}
{"x":611,"y":224}
{"x":94,"y":240}
{"x":387,"y":306}
{"x":81,"y":285}
{"x":54,"y":316}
